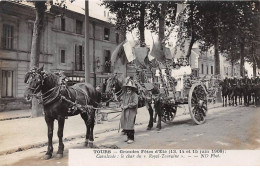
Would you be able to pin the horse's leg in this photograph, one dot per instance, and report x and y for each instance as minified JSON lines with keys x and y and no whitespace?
{"x":223,"y":100}
{"x":229,"y":99}
{"x":61,"y":122}
{"x":150,"y":109}
{"x":50,"y":122}
{"x":232,"y":98}
{"x":84,"y":116}
{"x":91,"y":135}
{"x":155,"y":117}
{"x":235,"y":98}
{"x":158,"y":109}
{"x":246,"y":100}
{"x":91,"y":125}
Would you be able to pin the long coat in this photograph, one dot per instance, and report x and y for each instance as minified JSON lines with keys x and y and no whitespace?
{"x":128,"y":115}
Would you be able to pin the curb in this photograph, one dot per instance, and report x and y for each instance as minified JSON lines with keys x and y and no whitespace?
{"x":14,"y":118}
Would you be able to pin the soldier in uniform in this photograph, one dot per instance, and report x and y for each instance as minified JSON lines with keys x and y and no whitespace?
{"x":129,"y":109}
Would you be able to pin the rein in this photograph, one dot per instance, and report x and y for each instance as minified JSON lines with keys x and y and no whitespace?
{"x":51,"y":95}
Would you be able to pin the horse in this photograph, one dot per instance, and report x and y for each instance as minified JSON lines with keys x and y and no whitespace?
{"x":234,"y":91}
{"x":60,"y":101}
{"x":239,"y":92}
{"x":256,"y":90}
{"x":225,"y":91}
{"x":247,"y":89}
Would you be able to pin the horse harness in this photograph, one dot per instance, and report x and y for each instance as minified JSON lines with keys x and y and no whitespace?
{"x":55,"y":95}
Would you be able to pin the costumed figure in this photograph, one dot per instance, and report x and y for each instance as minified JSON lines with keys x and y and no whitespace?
{"x":129,"y":109}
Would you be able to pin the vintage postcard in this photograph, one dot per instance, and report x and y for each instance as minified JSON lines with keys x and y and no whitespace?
{"x":129,"y":83}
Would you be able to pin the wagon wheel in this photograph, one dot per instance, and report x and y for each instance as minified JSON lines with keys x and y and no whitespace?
{"x":168,"y":114}
{"x":197,"y":100}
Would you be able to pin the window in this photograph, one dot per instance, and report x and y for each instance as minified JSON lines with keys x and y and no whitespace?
{"x":63,"y":24}
{"x":207,"y":69}
{"x":79,"y":27}
{"x":195,"y":72}
{"x":202,"y":71}
{"x":104,"y":13}
{"x":62,"y":56}
{"x":75,"y":79}
{"x":7,"y":38}
{"x":106,"y":33}
{"x":212,"y":70}
{"x":7,"y":83}
{"x":79,"y":58}
{"x":107,"y":56}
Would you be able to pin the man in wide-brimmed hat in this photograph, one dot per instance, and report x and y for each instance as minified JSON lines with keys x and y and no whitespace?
{"x":129,"y":109}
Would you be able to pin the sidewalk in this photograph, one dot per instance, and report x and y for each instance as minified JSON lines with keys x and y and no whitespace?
{"x":15,"y":114}
{"x":23,"y":133}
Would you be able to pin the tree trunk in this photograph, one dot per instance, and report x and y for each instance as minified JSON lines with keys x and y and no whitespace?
{"x":162,"y":23}
{"x":254,"y":69}
{"x":232,"y":68}
{"x":254,"y":60}
{"x":217,"y":62}
{"x":141,"y":24}
{"x":242,"y":59}
{"x":192,"y":41}
{"x":216,"y":56}
{"x":37,"y":109}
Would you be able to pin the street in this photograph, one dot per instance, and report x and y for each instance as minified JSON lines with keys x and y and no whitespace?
{"x":236,"y":128}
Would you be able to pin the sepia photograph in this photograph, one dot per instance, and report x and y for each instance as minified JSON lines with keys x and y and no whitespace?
{"x":125,"y":83}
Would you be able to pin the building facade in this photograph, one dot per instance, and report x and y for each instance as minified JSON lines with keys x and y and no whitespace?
{"x":62,"y":48}
{"x":203,"y":64}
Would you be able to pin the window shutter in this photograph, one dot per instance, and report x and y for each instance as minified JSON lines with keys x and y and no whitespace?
{"x":76,"y":57}
{"x":4,"y":37}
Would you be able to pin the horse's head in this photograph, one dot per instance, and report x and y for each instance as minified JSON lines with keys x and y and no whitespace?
{"x":113,"y":84}
{"x":34,"y":80}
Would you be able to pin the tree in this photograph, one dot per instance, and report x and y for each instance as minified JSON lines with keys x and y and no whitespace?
{"x":188,"y":27}
{"x":40,"y":8}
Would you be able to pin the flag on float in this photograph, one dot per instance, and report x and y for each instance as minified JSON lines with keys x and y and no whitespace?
{"x":141,"y":53}
{"x":118,"y":53}
{"x":129,"y":51}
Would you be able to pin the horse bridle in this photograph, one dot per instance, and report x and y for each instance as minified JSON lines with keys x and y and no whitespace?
{"x":38,"y":86}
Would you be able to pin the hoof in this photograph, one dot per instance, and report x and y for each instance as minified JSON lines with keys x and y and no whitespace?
{"x":47,"y":156}
{"x":90,"y":144}
{"x":149,"y":128}
{"x":59,"y":156}
{"x":158,"y":128}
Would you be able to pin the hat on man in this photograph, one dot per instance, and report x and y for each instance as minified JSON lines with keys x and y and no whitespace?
{"x":130,"y":83}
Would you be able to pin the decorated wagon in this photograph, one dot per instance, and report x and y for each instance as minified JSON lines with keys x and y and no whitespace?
{"x":172,"y":77}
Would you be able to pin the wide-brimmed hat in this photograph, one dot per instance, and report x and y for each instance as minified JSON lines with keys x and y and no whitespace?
{"x":130,"y":83}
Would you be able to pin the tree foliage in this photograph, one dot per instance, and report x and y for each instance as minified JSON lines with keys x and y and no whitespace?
{"x":227,"y":25}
